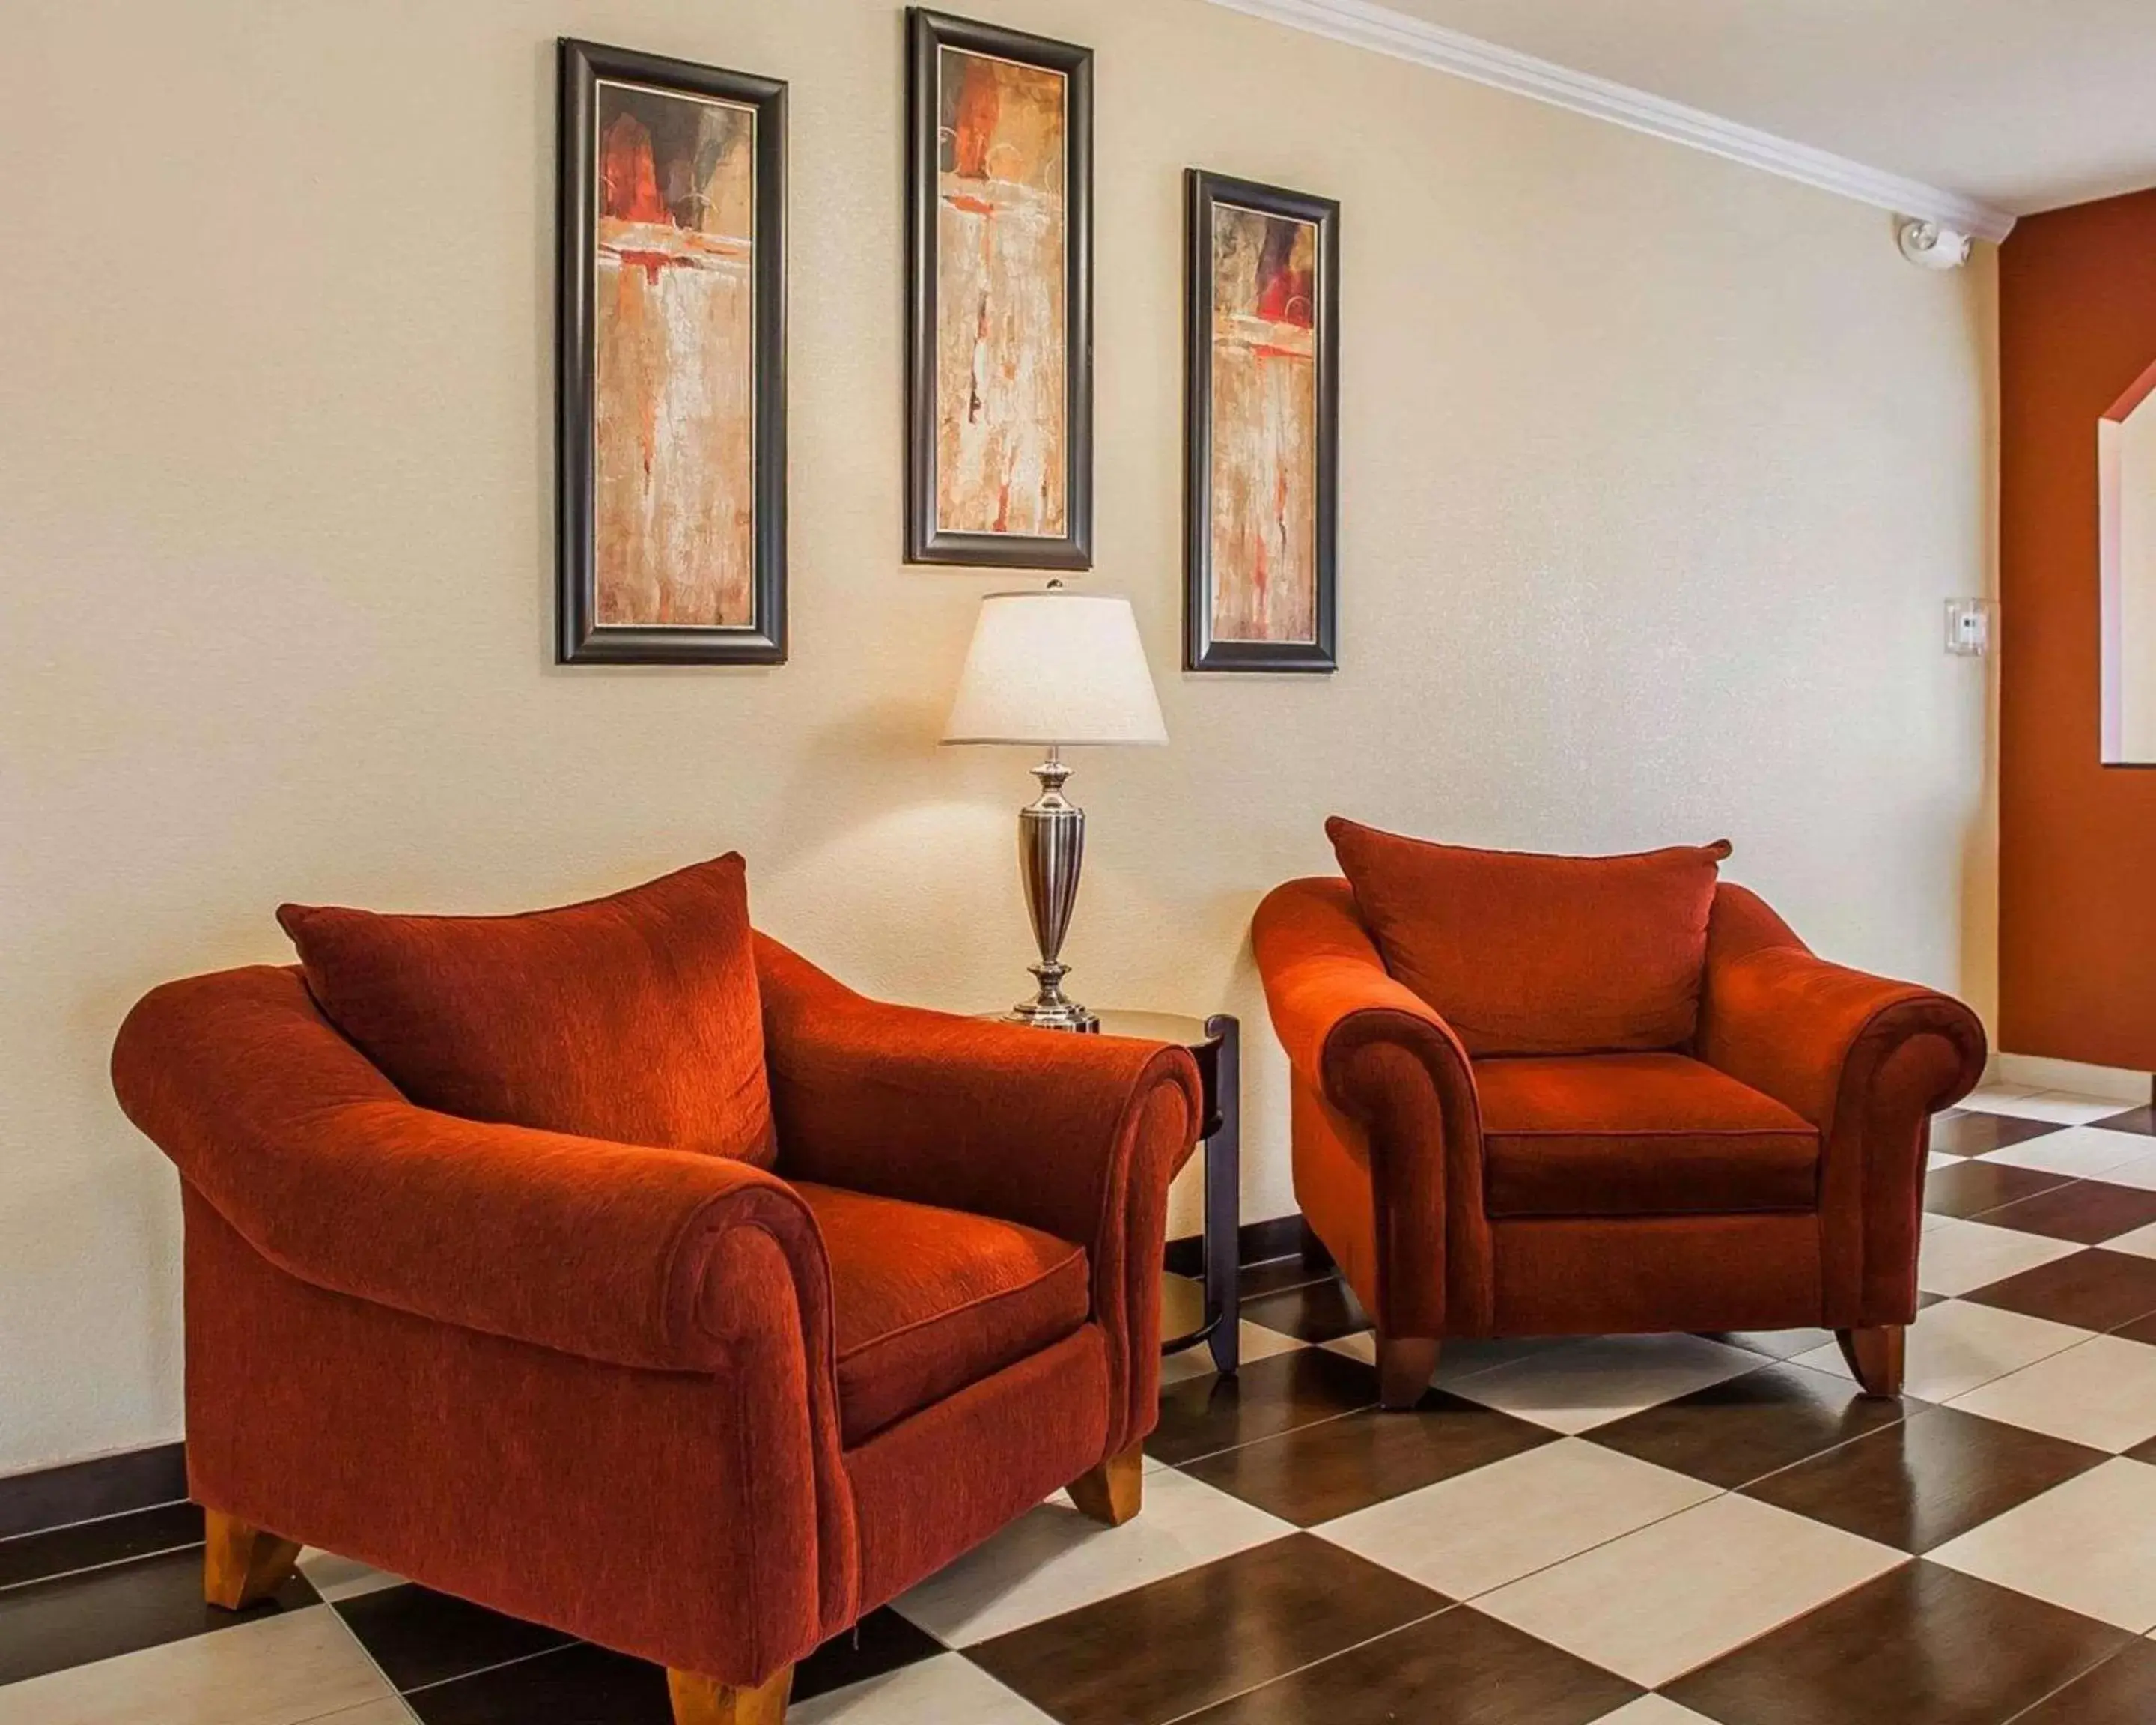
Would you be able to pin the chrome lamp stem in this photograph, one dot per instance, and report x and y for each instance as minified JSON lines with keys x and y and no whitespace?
{"x":1051,"y":846}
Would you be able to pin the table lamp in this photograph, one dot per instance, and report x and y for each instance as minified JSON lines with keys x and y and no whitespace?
{"x":1064,"y":669}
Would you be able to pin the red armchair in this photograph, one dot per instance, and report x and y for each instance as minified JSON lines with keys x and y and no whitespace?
{"x":700,"y":1412}
{"x":1766,"y":1174}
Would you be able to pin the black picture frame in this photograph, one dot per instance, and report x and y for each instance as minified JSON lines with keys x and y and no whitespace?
{"x":927,"y":33}
{"x":1201,"y":652}
{"x":580,"y":638}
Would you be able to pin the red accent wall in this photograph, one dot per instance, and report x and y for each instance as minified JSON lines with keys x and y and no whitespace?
{"x":2077,"y":840}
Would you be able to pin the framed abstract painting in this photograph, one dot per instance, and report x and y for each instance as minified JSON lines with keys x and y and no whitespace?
{"x":1261,"y":418}
{"x":1000,"y":259}
{"x":670,"y":430}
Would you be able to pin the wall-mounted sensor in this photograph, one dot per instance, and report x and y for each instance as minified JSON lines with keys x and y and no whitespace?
{"x":1968,"y":626}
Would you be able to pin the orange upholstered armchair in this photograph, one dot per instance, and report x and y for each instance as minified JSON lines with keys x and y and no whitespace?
{"x":701,"y":1411}
{"x":1762,"y":1170}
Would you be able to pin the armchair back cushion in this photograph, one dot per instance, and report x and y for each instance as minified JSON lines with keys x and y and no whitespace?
{"x":1524,"y":954}
{"x":633,"y":1017}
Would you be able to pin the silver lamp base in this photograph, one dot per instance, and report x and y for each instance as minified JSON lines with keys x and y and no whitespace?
{"x":1051,"y":847}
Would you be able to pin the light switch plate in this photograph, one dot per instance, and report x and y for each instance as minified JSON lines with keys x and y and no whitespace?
{"x":1968,"y":626}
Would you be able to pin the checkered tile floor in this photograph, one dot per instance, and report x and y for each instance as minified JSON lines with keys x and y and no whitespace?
{"x":1637,"y":1531}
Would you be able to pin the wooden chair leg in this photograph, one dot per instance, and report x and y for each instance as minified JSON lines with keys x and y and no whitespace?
{"x":1405,"y":1366}
{"x":705,"y":1701}
{"x":1109,"y":1493}
{"x":1876,"y":1357}
{"x":242,"y":1564}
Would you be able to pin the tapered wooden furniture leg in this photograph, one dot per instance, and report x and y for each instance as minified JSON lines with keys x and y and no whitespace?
{"x":1875,"y":1357}
{"x":705,"y":1701}
{"x":1405,"y":1366}
{"x":242,"y":1564}
{"x":1111,"y":1492}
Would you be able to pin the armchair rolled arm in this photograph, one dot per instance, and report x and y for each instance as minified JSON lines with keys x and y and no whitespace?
{"x":1866,"y":1060}
{"x":1076,"y":1136}
{"x":627,"y":1254}
{"x":1383,"y":1063}
{"x":1807,"y":1032}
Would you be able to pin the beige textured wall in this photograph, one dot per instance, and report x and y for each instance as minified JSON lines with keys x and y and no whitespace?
{"x":1655,"y":473}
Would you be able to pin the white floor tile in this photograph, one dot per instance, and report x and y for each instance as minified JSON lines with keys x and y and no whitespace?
{"x":2140,"y":1173}
{"x":1052,"y":1559}
{"x":2102,"y":1393}
{"x":2061,"y":1106}
{"x":943,"y":1690}
{"x":336,"y":1577}
{"x":2142,"y":1242}
{"x":1954,"y":1346}
{"x":1465,"y":1536}
{"x":1938,"y":1159}
{"x":276,"y":1672}
{"x":1653,"y":1710}
{"x":1256,"y":1342}
{"x":2089,"y":1545}
{"x":1985,"y":1097}
{"x":1655,"y":1604}
{"x":1577,"y":1385}
{"x":392,"y":1711}
{"x":2082,"y":1151}
{"x":1955,"y":1257}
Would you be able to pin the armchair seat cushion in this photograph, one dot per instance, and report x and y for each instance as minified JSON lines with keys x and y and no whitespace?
{"x":1637,"y":1134}
{"x":926,"y":1301}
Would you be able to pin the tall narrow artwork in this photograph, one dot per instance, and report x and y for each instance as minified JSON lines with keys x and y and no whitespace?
{"x":1261,"y":426}
{"x":672,"y":432}
{"x":1000,"y":453}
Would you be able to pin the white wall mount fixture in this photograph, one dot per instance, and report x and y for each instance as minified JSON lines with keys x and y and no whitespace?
{"x":1932,"y":245}
{"x":1363,"y":24}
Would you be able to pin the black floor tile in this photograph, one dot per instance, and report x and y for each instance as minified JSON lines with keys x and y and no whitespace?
{"x":882,"y":1641}
{"x":2122,"y":1691}
{"x":1315,"y":1312}
{"x":1275,"y":1274}
{"x":576,"y":1685}
{"x":1974,"y":1134}
{"x":1920,"y":1644}
{"x":1456,"y":1668}
{"x":1917,"y":1484}
{"x":2133,"y":1120}
{"x":32,"y":1556}
{"x":418,"y":1637}
{"x":2092,"y":1290}
{"x":1277,"y":1394}
{"x":1732,"y":1433}
{"x":1189,"y":1641}
{"x":1336,"y":1467}
{"x":1970,"y":1188}
{"x":123,"y":1607}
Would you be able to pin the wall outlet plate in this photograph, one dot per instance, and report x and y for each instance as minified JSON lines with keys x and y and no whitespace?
{"x":1968,"y":626}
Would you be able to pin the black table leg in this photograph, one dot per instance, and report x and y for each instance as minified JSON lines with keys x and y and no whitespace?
{"x":1223,"y":1181}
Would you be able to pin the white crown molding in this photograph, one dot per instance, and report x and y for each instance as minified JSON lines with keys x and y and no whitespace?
{"x":1382,"y":30}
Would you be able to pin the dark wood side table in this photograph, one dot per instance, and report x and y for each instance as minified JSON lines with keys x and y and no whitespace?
{"x":1216,"y":1043}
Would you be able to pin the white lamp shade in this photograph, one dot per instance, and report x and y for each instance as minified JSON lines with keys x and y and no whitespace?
{"x":1056,"y":667}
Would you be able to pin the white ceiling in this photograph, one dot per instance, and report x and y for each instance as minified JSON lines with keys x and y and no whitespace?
{"x":2024,"y":104}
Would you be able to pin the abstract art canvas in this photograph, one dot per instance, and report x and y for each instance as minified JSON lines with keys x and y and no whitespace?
{"x":672,"y":428}
{"x":998,"y":452}
{"x":1262,"y":411}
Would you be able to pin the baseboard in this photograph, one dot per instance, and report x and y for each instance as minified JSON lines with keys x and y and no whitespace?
{"x":85,"y":1490}
{"x":1255,"y":1243}
{"x":2042,"y":1072}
